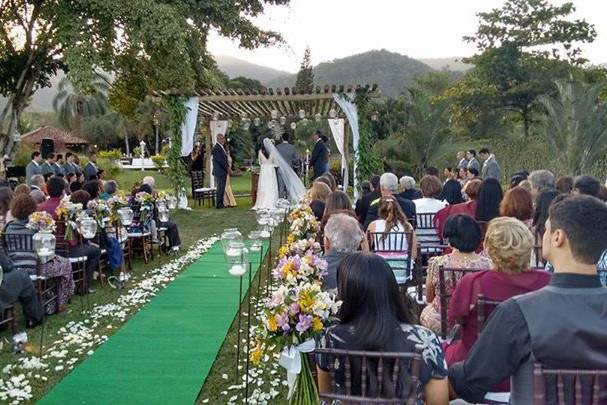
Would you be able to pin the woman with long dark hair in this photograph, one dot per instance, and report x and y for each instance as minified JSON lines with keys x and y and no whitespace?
{"x":488,"y":201}
{"x":336,"y":201}
{"x":374,"y":317}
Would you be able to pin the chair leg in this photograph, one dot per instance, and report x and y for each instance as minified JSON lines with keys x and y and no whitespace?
{"x":42,"y":334}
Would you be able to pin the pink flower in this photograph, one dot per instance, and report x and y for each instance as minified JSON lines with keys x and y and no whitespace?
{"x":305,"y":321}
{"x":294,"y":309}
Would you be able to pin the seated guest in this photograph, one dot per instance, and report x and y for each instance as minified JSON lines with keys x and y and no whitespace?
{"x":38,"y":183}
{"x":94,"y":188}
{"x":560,"y":326}
{"x":469,"y":207}
{"x":57,"y":268}
{"x":150,"y":181}
{"x":464,"y":236}
{"x":342,"y":236}
{"x":540,"y":180}
{"x":587,"y":185}
{"x":76,"y":248}
{"x":452,"y":192}
{"x":6,"y":196}
{"x":336,"y":201}
{"x":429,"y":204}
{"x":407,"y":184}
{"x":170,"y":225}
{"x":392,"y":220}
{"x":363,"y":204}
{"x":22,"y":189}
{"x":564,"y":185}
{"x":316,"y":196}
{"x":326,"y":180}
{"x":374,"y":317}
{"x":489,"y":198}
{"x":603,"y":194}
{"x":517,"y":204}
{"x":508,"y":243}
{"x":75,"y":186}
{"x":388,"y":186}
{"x":518,"y":178}
{"x":540,"y":216}
{"x":17,"y":286}
{"x":365,"y":187}
{"x":38,"y":196}
{"x":110,"y":188}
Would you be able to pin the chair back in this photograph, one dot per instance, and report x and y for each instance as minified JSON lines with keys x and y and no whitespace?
{"x":569,"y":386}
{"x":396,"y":247}
{"x":20,"y":248}
{"x":197,"y":180}
{"x":142,"y":216}
{"x":447,"y":280}
{"x":484,"y":309}
{"x":371,"y":377}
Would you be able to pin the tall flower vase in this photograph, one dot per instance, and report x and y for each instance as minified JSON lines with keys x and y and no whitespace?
{"x":304,"y":391}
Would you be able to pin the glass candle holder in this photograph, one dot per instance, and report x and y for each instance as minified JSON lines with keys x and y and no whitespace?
{"x":172,"y":202}
{"x":236,"y":259}
{"x":87,"y":228}
{"x":126,"y":216}
{"x":256,"y":243}
{"x":230,"y":235}
{"x":163,"y":214}
{"x":44,"y":245}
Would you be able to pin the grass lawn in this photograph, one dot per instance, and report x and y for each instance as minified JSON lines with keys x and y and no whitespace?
{"x":200,"y":222}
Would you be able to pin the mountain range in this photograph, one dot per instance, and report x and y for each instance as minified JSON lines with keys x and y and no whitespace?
{"x":391,"y":71}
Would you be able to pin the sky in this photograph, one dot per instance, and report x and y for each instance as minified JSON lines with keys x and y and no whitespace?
{"x":417,"y":28}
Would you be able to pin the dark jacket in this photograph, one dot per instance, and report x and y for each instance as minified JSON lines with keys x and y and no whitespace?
{"x":333,"y":258}
{"x":220,"y":161}
{"x":90,"y":170}
{"x":407,"y":206}
{"x":411,"y":194}
{"x":319,"y":158}
{"x":363,"y":204}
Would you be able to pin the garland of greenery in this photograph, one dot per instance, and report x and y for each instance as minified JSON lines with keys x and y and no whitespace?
{"x":176,"y":171}
{"x":369,"y":163}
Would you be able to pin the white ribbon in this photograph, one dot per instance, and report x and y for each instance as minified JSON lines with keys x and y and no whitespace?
{"x":290,"y":359}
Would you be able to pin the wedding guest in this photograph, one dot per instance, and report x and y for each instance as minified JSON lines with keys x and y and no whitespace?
{"x":75,"y":186}
{"x":603,"y":193}
{"x":332,"y":181}
{"x":365,"y":187}
{"x":58,"y":268}
{"x":34,"y":167}
{"x":464,"y":236}
{"x":587,"y":185}
{"x":17,"y":286}
{"x":517,"y":178}
{"x":472,"y":162}
{"x":93,"y":187}
{"x":48,"y":167}
{"x":38,"y":183}
{"x":490,"y":166}
{"x":540,"y":216}
{"x":430,"y":171}
{"x":429,"y":204}
{"x":170,"y":225}
{"x":519,"y":332}
{"x":109,"y":190}
{"x":462,"y":163}
{"x":326,"y":180}
{"x":38,"y":196}
{"x":373,"y":317}
{"x":407,"y":184}
{"x":564,"y":185}
{"x":388,"y":186}
{"x":473,"y":174}
{"x":526,"y":184}
{"x":469,"y":207}
{"x":540,"y":180}
{"x":363,"y":204}
{"x":342,"y":236}
{"x":22,"y":189}
{"x":90,"y":169}
{"x":452,"y":192}
{"x":517,"y":203}
{"x":489,"y":198}
{"x":336,"y":201}
{"x":6,"y":196}
{"x":55,"y":187}
{"x":317,"y":195}
{"x":509,"y":244}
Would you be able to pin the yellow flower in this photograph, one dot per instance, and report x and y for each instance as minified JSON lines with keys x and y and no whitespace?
{"x":306,"y":301}
{"x":316,"y":324}
{"x":272,"y":326}
{"x":257,"y":354}
{"x":283,"y":251}
{"x":290,"y":239}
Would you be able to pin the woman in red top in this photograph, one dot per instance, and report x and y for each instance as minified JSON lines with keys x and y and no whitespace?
{"x":469,"y":207}
{"x":508,"y":243}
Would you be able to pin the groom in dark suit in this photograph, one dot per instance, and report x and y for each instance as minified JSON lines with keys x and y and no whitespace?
{"x":221,"y":169}
{"x":320,"y":156}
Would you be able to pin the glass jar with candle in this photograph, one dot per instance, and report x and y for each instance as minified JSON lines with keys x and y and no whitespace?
{"x":236,"y":258}
{"x":126,"y":216}
{"x":88,"y":227}
{"x":255,"y":238}
{"x":44,"y":244}
{"x":163,"y":214}
{"x":172,"y":202}
{"x":228,"y":236}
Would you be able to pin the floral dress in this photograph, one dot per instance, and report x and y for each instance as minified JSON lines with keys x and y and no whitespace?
{"x":430,"y":316}
{"x":412,"y":338}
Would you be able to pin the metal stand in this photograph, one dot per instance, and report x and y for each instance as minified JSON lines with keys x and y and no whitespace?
{"x":269,"y":272}
{"x":246,"y":383}
{"x":238,"y":342}
{"x":259,"y":276}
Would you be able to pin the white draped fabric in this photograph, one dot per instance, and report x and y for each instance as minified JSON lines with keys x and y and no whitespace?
{"x":217,"y":127}
{"x":346,"y":103}
{"x":188,"y":127}
{"x":337,"y":126}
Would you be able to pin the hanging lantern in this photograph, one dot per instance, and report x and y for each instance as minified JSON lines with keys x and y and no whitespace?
{"x":236,"y":259}
{"x":255,"y":238}
{"x":302,"y":114}
{"x":317,"y":117}
{"x":256,"y":121}
{"x":274,"y":114}
{"x":332,"y":113}
{"x":87,"y":228}
{"x":126,"y":216}
{"x":293,"y":126}
{"x":44,"y":244}
{"x":283,"y":120}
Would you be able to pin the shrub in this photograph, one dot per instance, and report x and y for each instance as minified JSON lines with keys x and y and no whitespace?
{"x":110,"y":154}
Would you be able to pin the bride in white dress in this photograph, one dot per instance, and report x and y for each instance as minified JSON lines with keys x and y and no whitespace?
{"x":267,"y":185}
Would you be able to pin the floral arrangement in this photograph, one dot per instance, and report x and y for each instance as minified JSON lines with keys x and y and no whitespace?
{"x":162,"y":195}
{"x":291,"y":319}
{"x":299,"y":247}
{"x":144,"y":197}
{"x":41,"y":221}
{"x":304,"y":224}
{"x":69,"y":212}
{"x":115,"y":203}
{"x":100,"y":211}
{"x":292,"y":270}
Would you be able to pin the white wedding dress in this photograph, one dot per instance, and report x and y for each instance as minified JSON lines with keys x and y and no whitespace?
{"x":267,"y":185}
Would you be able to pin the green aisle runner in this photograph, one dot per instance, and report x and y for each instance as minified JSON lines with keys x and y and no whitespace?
{"x":163,"y":354}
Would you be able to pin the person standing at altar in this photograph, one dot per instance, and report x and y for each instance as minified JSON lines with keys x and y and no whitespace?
{"x":221,"y":169}
{"x":320,"y":156}
{"x":287,"y":151}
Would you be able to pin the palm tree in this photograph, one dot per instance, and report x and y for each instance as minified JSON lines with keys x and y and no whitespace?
{"x":574,"y":125}
{"x":150,"y":116}
{"x":425,"y":135}
{"x":72,"y":106}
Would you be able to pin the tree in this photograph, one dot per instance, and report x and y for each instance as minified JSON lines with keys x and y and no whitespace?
{"x":73,"y":107}
{"x":147,"y":44}
{"x":305,"y":76}
{"x":574,"y":125}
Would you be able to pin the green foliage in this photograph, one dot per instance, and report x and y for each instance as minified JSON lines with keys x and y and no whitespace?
{"x":176,"y":112}
{"x":105,"y":131}
{"x":305,"y":76}
{"x":575,"y":125}
{"x":533,"y":24}
{"x":159,"y":161}
{"x":109,"y":154}
{"x":369,"y":163}
{"x":109,"y":165}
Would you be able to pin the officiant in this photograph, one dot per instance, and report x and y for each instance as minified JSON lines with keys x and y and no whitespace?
{"x":320,"y":155}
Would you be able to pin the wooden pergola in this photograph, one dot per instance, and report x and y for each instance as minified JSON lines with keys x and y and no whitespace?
{"x":287,"y":102}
